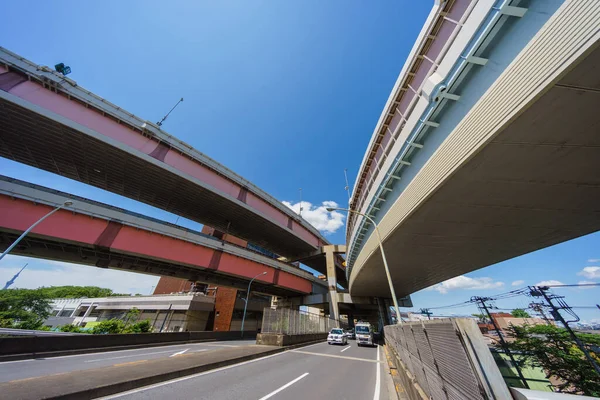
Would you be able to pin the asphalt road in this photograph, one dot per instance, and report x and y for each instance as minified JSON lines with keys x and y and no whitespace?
{"x":319,"y":371}
{"x":13,"y":370}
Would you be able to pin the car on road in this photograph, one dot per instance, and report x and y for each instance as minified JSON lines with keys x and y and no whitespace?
{"x":364,"y":334}
{"x":336,"y":335}
{"x":350,"y":333}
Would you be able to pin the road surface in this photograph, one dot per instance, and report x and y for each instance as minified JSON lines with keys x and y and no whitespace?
{"x":21,"y":369}
{"x":318,"y":371}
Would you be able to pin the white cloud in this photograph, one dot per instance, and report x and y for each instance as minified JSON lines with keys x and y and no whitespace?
{"x":518,"y":283}
{"x":318,"y":216}
{"x":55,"y":273}
{"x":586,"y":283}
{"x":464,"y":282}
{"x":591,"y":272}
{"x":594,"y":260}
{"x":551,"y":282}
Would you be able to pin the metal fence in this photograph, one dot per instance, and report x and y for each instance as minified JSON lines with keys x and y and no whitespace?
{"x":448,"y":359}
{"x":292,"y":322}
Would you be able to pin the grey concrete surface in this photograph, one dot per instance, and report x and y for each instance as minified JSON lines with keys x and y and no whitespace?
{"x":333,"y":372}
{"x":36,"y":367}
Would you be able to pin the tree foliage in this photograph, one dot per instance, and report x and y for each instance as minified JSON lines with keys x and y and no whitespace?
{"x":520,"y":313}
{"x":71,"y":328}
{"x":74,"y":292}
{"x":23,"y":308}
{"x":552,"y":349}
{"x":109,"y":326}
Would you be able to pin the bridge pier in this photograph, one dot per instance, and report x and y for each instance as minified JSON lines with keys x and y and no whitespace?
{"x":334,"y":310}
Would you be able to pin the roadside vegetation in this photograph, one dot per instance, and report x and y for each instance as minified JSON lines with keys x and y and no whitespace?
{"x":29,"y":308}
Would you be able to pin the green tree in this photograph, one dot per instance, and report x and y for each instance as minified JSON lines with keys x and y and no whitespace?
{"x":23,"y":308}
{"x":552,"y":349}
{"x":73,"y":292}
{"x":70,"y":328}
{"x":109,"y":326}
{"x":141,"y":327}
{"x":131,"y":316}
{"x":520,"y":313}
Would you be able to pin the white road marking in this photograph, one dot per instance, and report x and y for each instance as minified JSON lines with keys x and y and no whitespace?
{"x":378,"y":378}
{"x":127,"y":356}
{"x":334,"y":356}
{"x":178,"y":353}
{"x":343,"y":350}
{"x":185,"y":378}
{"x":107,"y":352}
{"x":283,"y":387}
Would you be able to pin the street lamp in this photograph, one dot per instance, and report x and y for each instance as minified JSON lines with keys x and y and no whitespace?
{"x":248,"y":298}
{"x":385,"y":264}
{"x":65,"y":204}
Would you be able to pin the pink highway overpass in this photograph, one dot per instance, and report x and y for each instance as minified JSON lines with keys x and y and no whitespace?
{"x":49,"y":122}
{"x":100,"y":235}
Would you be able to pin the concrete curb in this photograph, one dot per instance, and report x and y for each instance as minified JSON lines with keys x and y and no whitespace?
{"x":123,"y":386}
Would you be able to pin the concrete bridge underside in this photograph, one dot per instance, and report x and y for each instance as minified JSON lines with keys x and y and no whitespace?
{"x":534,"y":183}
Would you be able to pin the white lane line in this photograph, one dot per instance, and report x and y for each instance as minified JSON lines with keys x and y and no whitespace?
{"x":101,"y":353}
{"x":378,"y":378}
{"x":178,"y":353}
{"x":343,"y":350}
{"x":185,"y":378}
{"x":334,"y":356}
{"x":127,"y":356}
{"x":287,"y":385}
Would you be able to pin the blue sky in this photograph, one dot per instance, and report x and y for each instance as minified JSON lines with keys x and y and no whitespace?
{"x":285,"y":93}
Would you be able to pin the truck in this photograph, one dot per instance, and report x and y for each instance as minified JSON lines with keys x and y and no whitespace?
{"x":364,"y":334}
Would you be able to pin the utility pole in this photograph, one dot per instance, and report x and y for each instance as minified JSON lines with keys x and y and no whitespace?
{"x":540,"y":291}
{"x":484,"y":307}
{"x":425,"y":311}
{"x":539,"y":308}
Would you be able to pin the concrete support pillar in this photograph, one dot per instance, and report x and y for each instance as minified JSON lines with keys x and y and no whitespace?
{"x":383,"y":315}
{"x":334,"y":310}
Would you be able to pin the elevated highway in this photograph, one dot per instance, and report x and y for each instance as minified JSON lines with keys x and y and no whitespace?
{"x":96,"y":234}
{"x":49,"y":122}
{"x":488,"y":147}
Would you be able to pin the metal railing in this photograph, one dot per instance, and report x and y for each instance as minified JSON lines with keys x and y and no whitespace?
{"x":291,"y":322}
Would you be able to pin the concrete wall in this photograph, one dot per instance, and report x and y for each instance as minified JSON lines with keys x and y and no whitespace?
{"x":45,"y":344}
{"x":277,"y":339}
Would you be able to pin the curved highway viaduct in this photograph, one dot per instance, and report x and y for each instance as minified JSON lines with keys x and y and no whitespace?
{"x":488,"y":147}
{"x":49,"y":122}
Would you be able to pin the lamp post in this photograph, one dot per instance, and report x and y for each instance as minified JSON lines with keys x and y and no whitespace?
{"x":385,"y":264}
{"x":65,"y":204}
{"x":248,"y":298}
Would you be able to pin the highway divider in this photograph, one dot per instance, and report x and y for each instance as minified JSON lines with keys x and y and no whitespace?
{"x":16,"y":348}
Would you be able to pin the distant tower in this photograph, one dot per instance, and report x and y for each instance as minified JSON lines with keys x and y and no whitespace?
{"x":13,"y":278}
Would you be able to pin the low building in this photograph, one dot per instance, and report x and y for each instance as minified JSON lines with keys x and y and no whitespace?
{"x":169,"y":313}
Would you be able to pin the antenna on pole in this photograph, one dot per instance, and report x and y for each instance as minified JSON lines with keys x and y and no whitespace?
{"x":347,"y":188}
{"x":300,"y":201}
{"x":159,"y":123}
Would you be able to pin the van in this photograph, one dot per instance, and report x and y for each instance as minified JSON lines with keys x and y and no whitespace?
{"x":364,"y":334}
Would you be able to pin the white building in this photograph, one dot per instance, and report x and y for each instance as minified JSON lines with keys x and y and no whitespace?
{"x":172,"y":312}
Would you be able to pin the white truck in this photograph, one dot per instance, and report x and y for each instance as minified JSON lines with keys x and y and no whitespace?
{"x":364,"y":334}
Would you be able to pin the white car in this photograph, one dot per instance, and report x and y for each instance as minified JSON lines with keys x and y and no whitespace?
{"x":337,"y":335}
